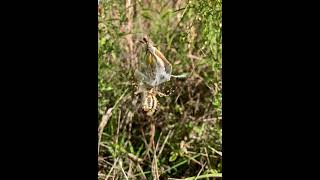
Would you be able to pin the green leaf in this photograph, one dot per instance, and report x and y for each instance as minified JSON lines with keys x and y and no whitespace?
{"x":109,"y":88}
{"x":173,"y":156}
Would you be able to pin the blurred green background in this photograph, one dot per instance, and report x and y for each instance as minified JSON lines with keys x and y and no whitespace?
{"x":188,"y":124}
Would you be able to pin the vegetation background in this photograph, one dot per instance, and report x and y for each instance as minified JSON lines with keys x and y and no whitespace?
{"x":188,"y":125}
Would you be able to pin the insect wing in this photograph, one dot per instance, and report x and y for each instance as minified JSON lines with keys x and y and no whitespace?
{"x":164,"y":62}
{"x":162,"y":68}
{"x":155,"y":68}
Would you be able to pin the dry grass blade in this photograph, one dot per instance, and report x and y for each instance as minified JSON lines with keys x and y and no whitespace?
{"x":164,"y":143}
{"x":201,"y":170}
{"x":114,"y":164}
{"x":146,"y":144}
{"x":118,"y":128}
{"x":155,"y":172}
{"x":151,"y":139}
{"x":124,"y":173}
{"x":207,"y":156}
{"x":135,"y":158}
{"x":105,"y":119}
{"x":193,"y":159}
{"x":194,"y":57}
{"x":158,"y":142}
{"x":206,"y":176}
{"x":130,"y":169}
{"x":154,"y":168}
{"x":214,"y":150}
{"x":103,"y":123}
{"x":142,"y":173}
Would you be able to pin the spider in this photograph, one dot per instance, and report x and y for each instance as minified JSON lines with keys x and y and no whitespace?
{"x":150,"y":102}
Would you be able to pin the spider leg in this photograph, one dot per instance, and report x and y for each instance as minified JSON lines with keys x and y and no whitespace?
{"x":158,"y":106}
{"x":162,"y":94}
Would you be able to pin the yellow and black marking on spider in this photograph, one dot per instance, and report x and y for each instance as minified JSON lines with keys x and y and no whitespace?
{"x":150,"y":102}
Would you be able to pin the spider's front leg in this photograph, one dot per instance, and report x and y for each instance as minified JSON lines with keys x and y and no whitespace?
{"x":158,"y":106}
{"x":162,"y":94}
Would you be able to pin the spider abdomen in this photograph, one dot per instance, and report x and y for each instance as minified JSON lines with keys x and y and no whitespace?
{"x":150,"y":104}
